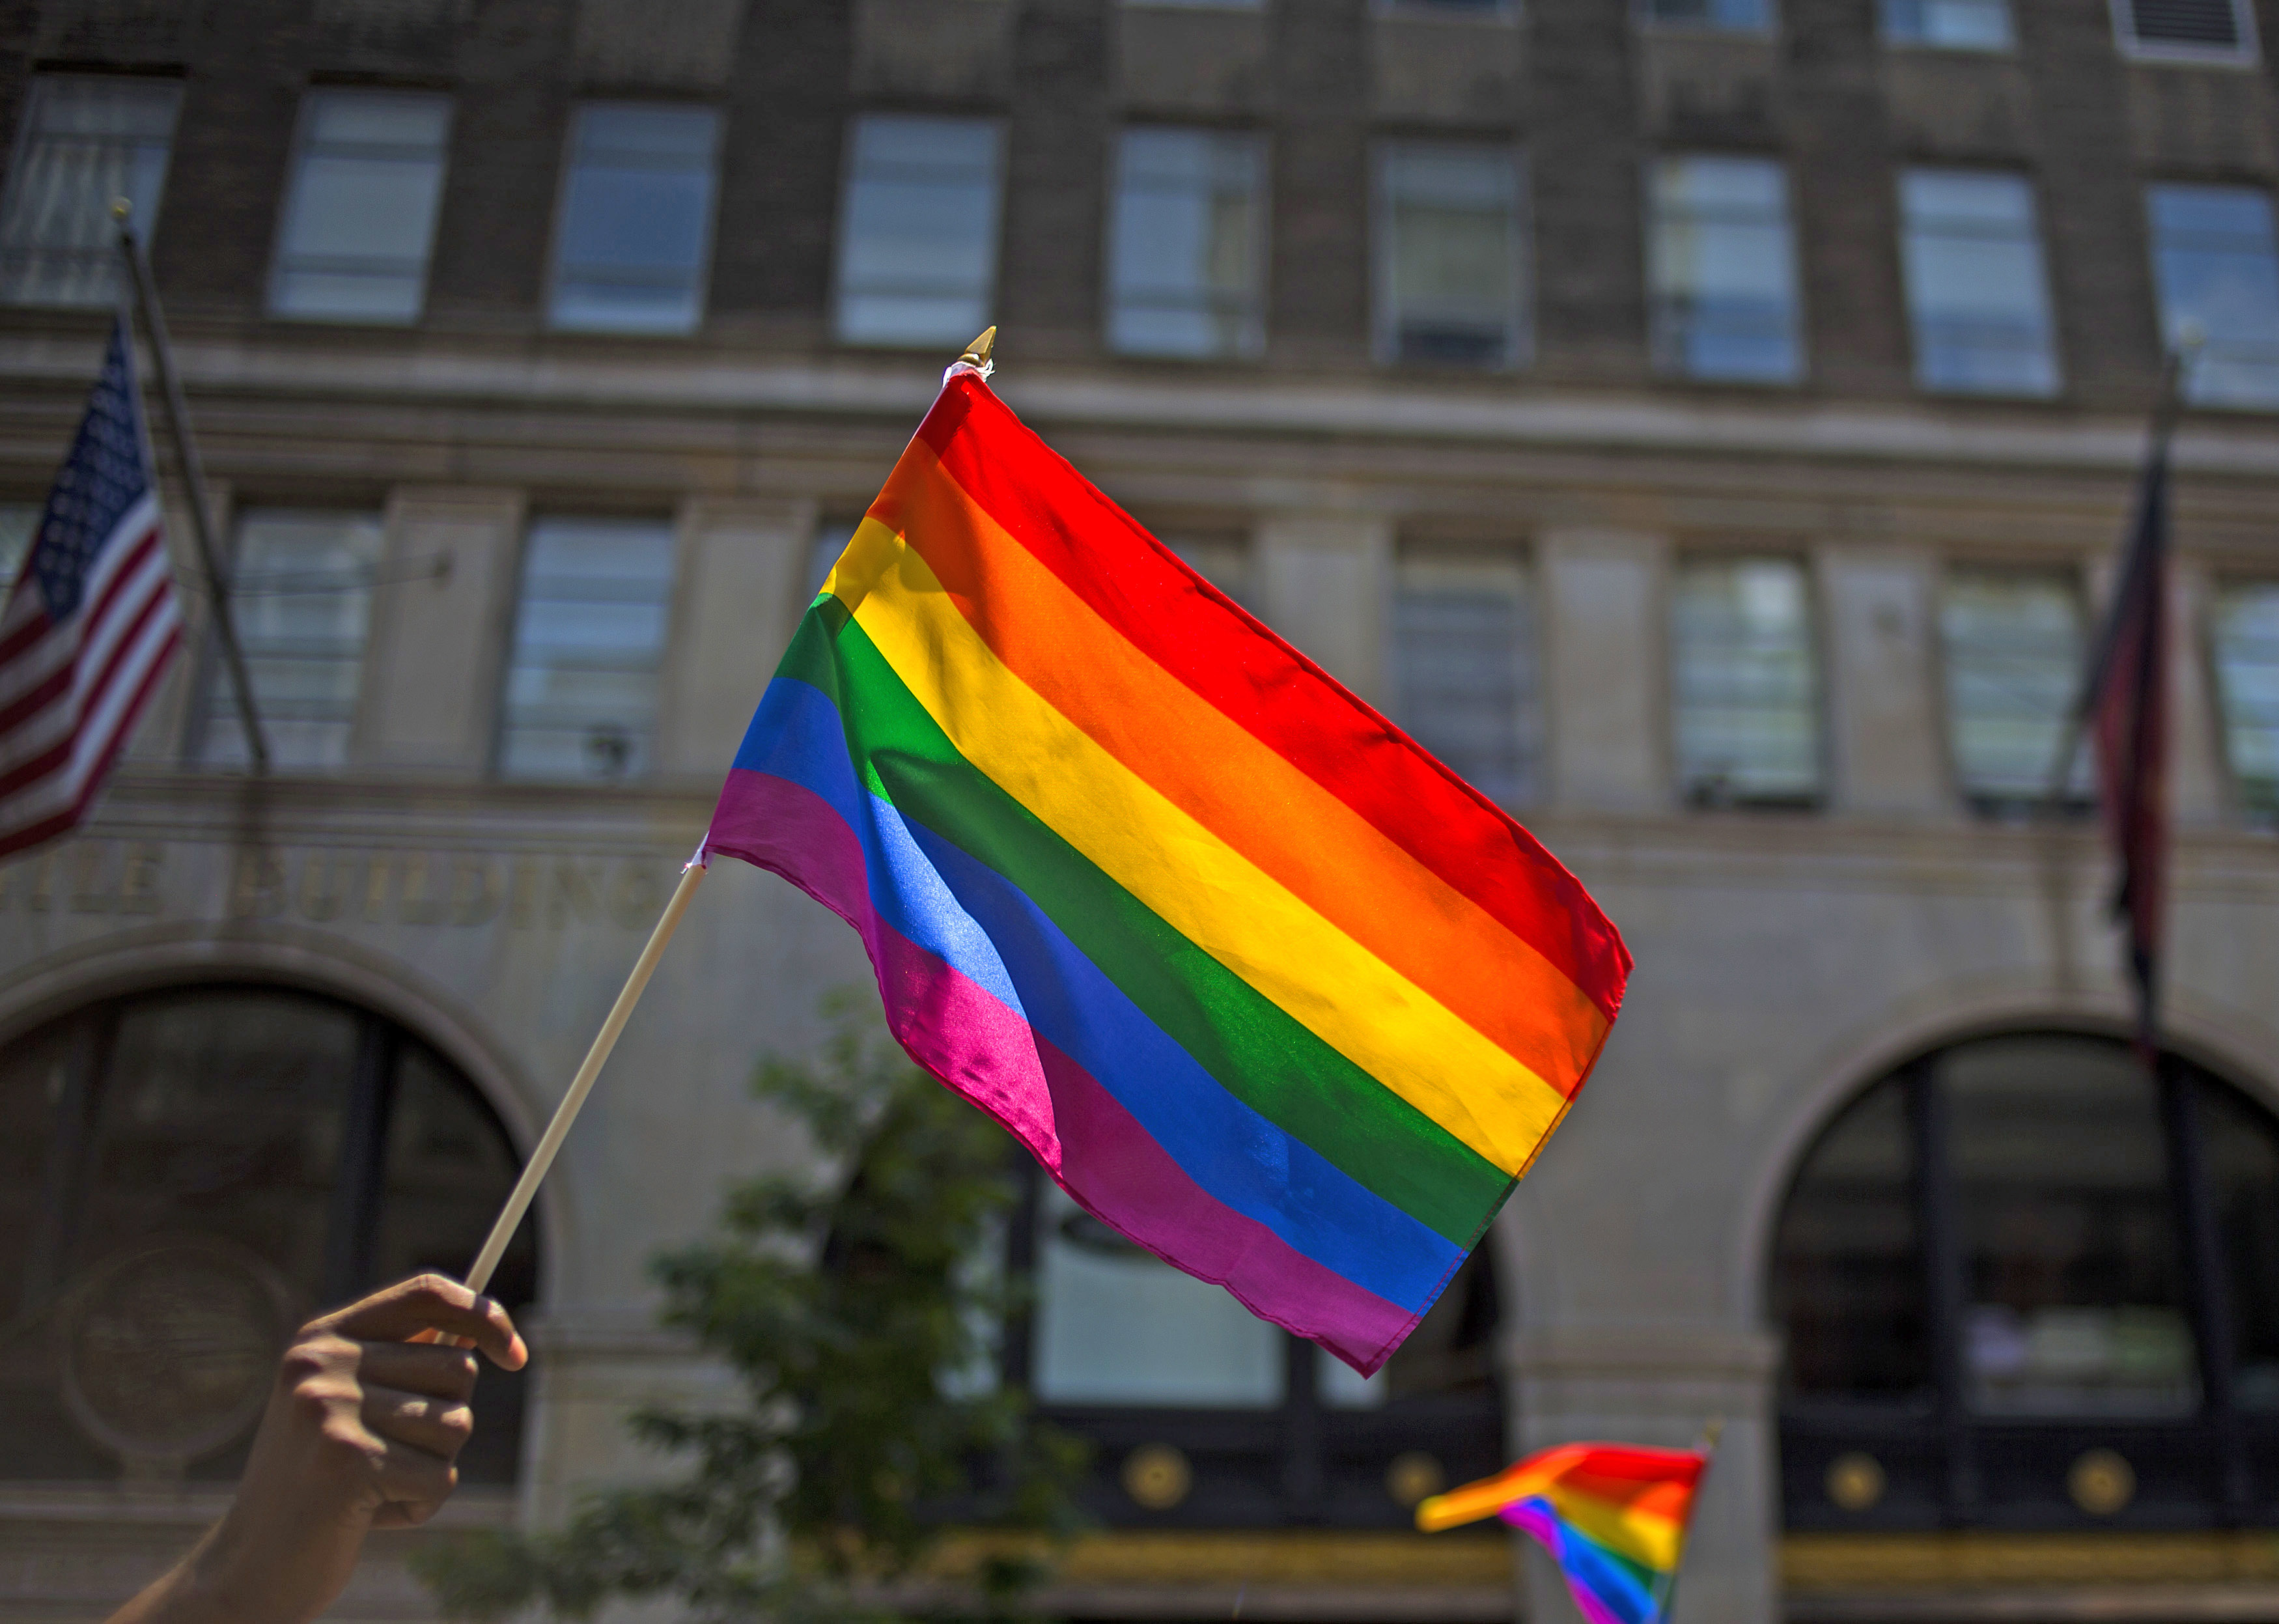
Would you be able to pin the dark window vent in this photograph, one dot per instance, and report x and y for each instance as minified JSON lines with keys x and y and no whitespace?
{"x":2204,"y":25}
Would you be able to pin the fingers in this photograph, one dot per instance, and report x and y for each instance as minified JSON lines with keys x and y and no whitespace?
{"x":430,"y":1302}
{"x":435,"y":1425}
{"x":432,"y":1372}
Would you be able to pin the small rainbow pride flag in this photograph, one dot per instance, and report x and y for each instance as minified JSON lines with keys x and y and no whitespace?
{"x":1611,"y":1515}
{"x":1265,"y":986}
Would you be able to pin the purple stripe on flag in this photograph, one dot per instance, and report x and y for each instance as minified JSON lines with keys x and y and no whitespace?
{"x":969,"y":1039}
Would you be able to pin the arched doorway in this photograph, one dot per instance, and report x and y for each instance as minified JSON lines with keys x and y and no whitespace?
{"x":2025,"y":1284}
{"x":187,"y":1174}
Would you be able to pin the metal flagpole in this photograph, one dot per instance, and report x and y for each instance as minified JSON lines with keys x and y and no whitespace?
{"x":194,"y":478}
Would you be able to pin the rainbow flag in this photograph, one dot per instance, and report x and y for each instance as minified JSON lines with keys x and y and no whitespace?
{"x":1612,"y":1516}
{"x":1261,"y":983}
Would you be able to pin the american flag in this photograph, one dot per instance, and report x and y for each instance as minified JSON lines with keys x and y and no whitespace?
{"x":91,"y":622}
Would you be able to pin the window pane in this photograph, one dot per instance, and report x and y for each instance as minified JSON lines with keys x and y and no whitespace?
{"x":360,"y":216}
{"x":302,"y":595}
{"x":1464,"y":672}
{"x":1847,"y":1263}
{"x":2073,"y":1277}
{"x":1746,"y":698}
{"x":918,"y":252}
{"x":1118,"y":1325}
{"x":2217,"y":272}
{"x":2013,"y":643}
{"x":19,"y":522}
{"x":636,"y":218}
{"x":1448,"y":255}
{"x":2243,"y":1162}
{"x":1722,"y":271}
{"x":1976,"y":293}
{"x":87,"y":140}
{"x":581,"y":689}
{"x":1953,"y":24}
{"x":1185,"y":253}
{"x":2247,"y":686}
{"x":1749,"y":15}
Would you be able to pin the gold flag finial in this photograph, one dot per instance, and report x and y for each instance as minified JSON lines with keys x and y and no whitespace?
{"x":977,"y":352}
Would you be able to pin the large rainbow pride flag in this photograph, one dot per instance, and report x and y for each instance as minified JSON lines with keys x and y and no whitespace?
{"x":1259,"y":982}
{"x":1611,"y":1515}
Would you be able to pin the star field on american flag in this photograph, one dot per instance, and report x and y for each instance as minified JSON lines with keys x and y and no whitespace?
{"x":92,"y":622}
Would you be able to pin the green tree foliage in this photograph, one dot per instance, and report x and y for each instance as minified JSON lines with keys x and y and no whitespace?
{"x":852,"y":1310}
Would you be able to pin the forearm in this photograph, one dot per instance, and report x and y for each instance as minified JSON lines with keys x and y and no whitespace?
{"x":187,"y":1593}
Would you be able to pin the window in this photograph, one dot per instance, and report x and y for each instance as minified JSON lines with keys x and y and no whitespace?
{"x":1722,"y":270}
{"x":581,"y":688}
{"x":360,"y":214}
{"x":2015,"y":1250}
{"x":1743,"y":16}
{"x":2185,"y":30}
{"x":1746,"y":701}
{"x":302,"y":596}
{"x":2217,"y":270}
{"x":1187,"y":247}
{"x":86,"y":139}
{"x":2013,"y":643}
{"x":1949,"y":24}
{"x":1976,"y":293}
{"x":206,"y":1166}
{"x":2246,"y":628}
{"x":1202,"y":1414}
{"x":629,"y":253}
{"x":19,"y":522}
{"x":917,"y":247}
{"x":1464,"y":672}
{"x":1448,"y":255}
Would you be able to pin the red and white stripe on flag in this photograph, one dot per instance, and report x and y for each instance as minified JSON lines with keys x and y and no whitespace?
{"x":91,"y":623}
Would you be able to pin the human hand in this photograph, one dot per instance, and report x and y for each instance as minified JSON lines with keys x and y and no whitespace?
{"x":362,"y":1430}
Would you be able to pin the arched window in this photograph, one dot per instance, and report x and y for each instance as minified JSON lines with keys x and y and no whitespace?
{"x":2024,"y":1284}
{"x":185,"y":1176}
{"x":1203,"y":1415}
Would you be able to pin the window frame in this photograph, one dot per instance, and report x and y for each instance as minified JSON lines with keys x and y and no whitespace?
{"x":2247,"y":54}
{"x":1001,"y":147}
{"x":1799,"y":316}
{"x":303,"y":136}
{"x":2079,"y":796}
{"x":2148,"y":189}
{"x":1385,"y":318}
{"x":1696,"y":795}
{"x":1934,"y":1436}
{"x":502,"y":724}
{"x":701,"y":288}
{"x":20,"y":154}
{"x":2036,"y":237}
{"x":1253,"y":345}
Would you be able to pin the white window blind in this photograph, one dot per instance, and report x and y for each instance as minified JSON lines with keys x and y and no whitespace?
{"x":359,"y":219}
{"x":302,"y":598}
{"x":1464,"y":671}
{"x":636,"y":221}
{"x":2246,"y":650}
{"x":1448,"y":255}
{"x":917,"y":249}
{"x":86,"y":138}
{"x":581,"y":686}
{"x":1977,"y":295}
{"x":1721,"y":268}
{"x":1746,"y":690}
{"x":1186,"y":246}
{"x":2013,"y":643}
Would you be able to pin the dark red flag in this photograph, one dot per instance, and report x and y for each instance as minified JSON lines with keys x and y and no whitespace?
{"x":2126,"y":704}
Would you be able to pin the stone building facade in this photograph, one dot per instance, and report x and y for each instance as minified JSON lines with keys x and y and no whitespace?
{"x":1679,"y":475}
